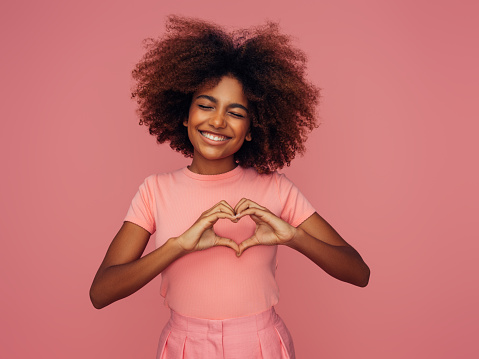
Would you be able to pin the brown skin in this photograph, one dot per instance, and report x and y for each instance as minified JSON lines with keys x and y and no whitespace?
{"x":220,"y":111}
{"x":124,"y":270}
{"x":314,"y":238}
{"x":282,"y":103}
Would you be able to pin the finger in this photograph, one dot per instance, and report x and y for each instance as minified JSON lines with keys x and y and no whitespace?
{"x":223,"y":205}
{"x":239,"y":204}
{"x":220,"y":202}
{"x":256,"y":214}
{"x":220,"y":207}
{"x":247,"y":243}
{"x":256,"y":219}
{"x":212,"y":218}
{"x":226,"y":242}
{"x":223,"y":202}
{"x":244,"y":204}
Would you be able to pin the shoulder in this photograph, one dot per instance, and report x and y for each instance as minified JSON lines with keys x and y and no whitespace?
{"x":273,"y":178}
{"x":250,"y":172}
{"x":281,"y":180}
{"x":273,"y":181}
{"x":159,"y":180}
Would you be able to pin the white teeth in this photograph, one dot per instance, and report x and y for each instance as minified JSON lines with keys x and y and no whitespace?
{"x":213,"y":137}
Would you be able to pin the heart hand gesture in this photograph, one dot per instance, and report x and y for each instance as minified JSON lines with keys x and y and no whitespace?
{"x":201,"y":234}
{"x":270,"y":230}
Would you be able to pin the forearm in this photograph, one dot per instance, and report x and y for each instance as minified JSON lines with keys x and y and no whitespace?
{"x":119,"y":281}
{"x":341,"y":262}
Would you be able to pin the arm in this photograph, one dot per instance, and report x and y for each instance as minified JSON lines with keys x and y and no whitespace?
{"x":314,"y":238}
{"x":124,"y":270}
{"x":318,"y":241}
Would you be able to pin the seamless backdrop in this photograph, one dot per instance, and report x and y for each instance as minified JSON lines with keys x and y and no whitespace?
{"x":393,"y":167}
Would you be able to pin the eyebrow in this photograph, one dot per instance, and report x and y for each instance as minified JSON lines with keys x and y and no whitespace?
{"x":231,"y":105}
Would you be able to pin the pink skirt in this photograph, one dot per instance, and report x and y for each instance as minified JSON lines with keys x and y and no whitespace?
{"x":259,"y":336}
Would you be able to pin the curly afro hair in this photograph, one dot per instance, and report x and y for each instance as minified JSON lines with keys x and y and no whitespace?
{"x":194,"y":53}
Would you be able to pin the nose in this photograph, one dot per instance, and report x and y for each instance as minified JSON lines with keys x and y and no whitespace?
{"x":218,"y":120}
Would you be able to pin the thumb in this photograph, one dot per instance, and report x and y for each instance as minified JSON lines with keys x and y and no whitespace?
{"x":250,"y":242}
{"x":226,"y":242}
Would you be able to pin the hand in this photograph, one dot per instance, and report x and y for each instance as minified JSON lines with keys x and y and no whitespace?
{"x":201,"y":235}
{"x":270,"y":230}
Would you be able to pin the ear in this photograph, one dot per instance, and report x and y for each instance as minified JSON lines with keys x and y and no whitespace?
{"x":248,"y":136}
{"x":185,"y":123}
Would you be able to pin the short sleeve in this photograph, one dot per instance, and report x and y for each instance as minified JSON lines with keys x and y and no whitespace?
{"x":142,"y":208}
{"x":296,"y":208}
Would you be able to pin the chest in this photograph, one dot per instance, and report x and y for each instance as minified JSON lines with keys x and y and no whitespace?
{"x":179,"y":206}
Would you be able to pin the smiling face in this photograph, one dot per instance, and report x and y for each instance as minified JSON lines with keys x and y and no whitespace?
{"x":218,"y":124}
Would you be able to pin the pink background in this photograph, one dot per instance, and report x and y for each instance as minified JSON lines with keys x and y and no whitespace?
{"x":393,"y":167}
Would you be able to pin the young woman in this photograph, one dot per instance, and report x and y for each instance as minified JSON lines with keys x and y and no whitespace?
{"x":237,"y":104}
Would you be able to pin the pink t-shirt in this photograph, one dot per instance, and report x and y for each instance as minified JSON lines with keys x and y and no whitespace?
{"x":215,"y":283}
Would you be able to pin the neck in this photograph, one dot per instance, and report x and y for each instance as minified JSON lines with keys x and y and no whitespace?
{"x":214,"y":167}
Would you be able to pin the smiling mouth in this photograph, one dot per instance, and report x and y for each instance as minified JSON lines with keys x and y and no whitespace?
{"x":214,"y":137}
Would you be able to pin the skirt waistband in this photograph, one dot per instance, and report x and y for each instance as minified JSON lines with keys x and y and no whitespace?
{"x":232,"y":326}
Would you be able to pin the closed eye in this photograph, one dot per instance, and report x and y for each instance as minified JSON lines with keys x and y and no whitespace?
{"x":205,"y":107}
{"x":238,"y":115}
